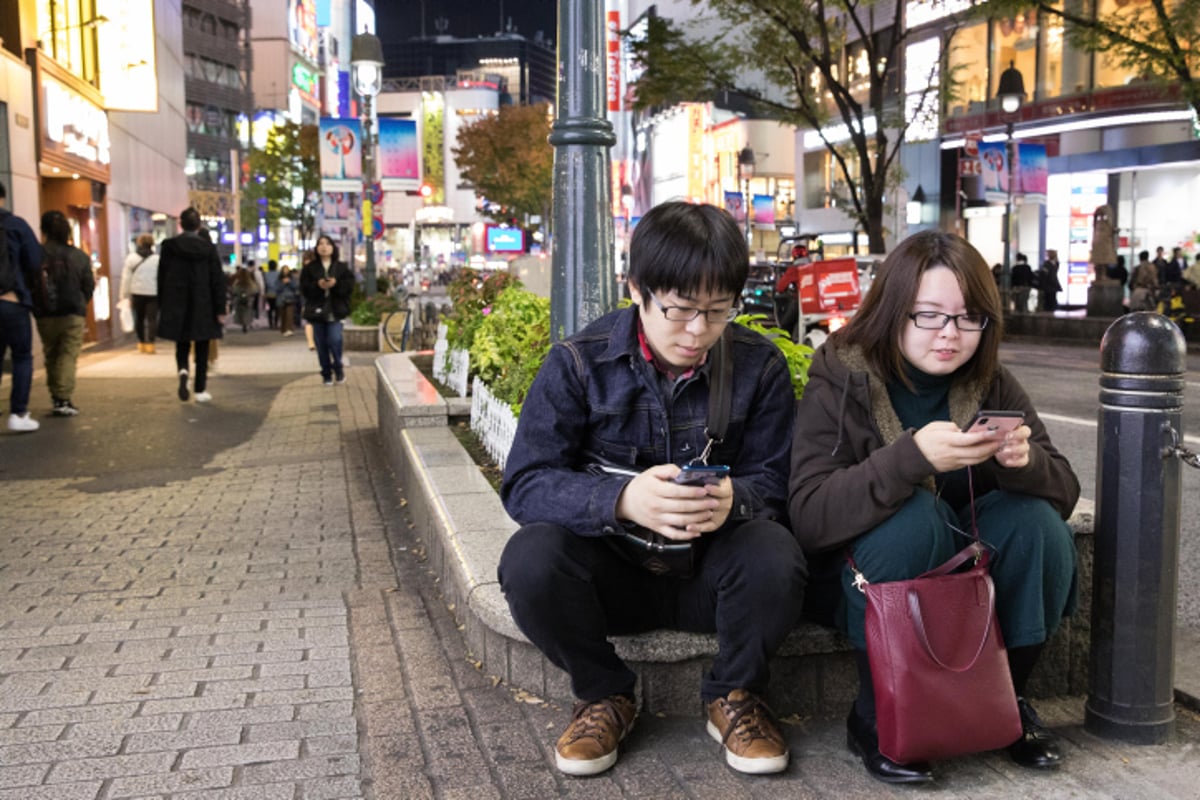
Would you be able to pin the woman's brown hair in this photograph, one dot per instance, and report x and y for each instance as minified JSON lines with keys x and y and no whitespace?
{"x":881,"y":319}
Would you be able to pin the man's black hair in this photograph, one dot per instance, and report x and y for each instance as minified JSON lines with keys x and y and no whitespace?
{"x":3,"y":191}
{"x":55,"y":227}
{"x":688,"y":248}
{"x":189,"y":220}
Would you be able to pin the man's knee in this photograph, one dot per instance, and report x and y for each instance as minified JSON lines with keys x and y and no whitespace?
{"x":531,"y":557}
{"x":768,"y":553}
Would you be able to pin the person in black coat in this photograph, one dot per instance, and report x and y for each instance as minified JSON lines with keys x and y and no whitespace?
{"x":191,"y":300}
{"x":326,"y":284}
{"x":1022,"y":284}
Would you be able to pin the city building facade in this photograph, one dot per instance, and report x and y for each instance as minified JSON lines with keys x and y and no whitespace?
{"x":93,"y":126}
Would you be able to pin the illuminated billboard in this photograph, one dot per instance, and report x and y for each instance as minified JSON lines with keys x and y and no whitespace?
{"x":505,"y":240}
{"x":302,"y":28}
{"x":126,"y":40}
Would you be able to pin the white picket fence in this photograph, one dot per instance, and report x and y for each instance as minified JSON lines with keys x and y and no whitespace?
{"x":493,"y":422}
{"x":450,"y":366}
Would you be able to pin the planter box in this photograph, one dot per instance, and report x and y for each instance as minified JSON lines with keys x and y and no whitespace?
{"x":360,"y":337}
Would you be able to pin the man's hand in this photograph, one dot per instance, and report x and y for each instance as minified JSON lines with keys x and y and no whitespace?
{"x":221,"y":320}
{"x":653,"y":500}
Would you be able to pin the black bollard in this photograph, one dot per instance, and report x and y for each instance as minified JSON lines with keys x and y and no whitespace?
{"x":1132,"y":657}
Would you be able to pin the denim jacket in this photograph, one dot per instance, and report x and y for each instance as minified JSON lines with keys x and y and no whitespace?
{"x":597,"y":399}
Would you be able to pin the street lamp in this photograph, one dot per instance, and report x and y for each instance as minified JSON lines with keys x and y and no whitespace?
{"x":746,"y":172}
{"x":366,"y":65}
{"x":1011,"y":93}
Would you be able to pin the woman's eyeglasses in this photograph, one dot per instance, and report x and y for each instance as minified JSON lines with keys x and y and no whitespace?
{"x":935,"y":320}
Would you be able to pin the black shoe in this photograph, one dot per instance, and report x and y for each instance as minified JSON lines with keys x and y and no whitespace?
{"x":183,"y":390}
{"x":64,"y":408}
{"x":1037,"y":748}
{"x":862,"y":740}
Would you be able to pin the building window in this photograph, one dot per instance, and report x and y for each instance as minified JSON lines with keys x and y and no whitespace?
{"x":966,"y":62}
{"x":1014,"y":41}
{"x":67,"y":33}
{"x":1109,"y":72}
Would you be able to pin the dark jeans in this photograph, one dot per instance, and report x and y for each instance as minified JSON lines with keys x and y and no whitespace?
{"x":145,"y":317}
{"x":328,"y":338}
{"x":569,"y":593}
{"x":16,"y":335}
{"x":272,"y":312}
{"x":201,"y":371}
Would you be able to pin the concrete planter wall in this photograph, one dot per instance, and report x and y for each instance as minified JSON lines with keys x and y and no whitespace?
{"x":361,"y":337}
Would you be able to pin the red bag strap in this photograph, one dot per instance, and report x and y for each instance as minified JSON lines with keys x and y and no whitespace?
{"x":918,"y":621}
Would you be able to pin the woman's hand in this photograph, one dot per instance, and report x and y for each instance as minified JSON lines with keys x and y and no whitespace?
{"x":653,"y":500}
{"x":1014,"y":453}
{"x":948,"y":448}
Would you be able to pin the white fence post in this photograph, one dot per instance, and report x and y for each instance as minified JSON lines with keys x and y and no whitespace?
{"x":439,"y":353}
{"x":493,"y":421}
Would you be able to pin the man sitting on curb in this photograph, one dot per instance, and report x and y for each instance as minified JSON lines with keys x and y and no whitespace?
{"x":632,"y":391}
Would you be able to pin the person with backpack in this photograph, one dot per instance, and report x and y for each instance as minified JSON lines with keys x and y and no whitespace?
{"x":20,"y":258}
{"x":60,"y":307}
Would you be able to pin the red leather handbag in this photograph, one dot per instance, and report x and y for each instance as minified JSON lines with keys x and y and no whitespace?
{"x":938,"y":663}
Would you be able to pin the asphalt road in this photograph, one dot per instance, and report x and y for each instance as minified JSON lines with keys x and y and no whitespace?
{"x":1063,"y":382}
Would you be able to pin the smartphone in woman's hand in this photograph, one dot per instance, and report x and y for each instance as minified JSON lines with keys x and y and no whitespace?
{"x":1001,"y":422}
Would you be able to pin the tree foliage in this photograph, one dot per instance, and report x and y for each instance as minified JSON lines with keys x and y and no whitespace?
{"x":807,"y":63}
{"x":289,"y":162}
{"x":1156,"y":40}
{"x":509,"y":161}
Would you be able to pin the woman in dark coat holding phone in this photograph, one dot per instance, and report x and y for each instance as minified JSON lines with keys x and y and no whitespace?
{"x":326,"y":284}
{"x":883,"y":469}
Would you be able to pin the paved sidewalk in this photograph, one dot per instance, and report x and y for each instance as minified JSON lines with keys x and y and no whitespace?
{"x":228,"y":602}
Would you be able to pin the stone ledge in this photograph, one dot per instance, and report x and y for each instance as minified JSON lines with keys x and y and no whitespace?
{"x":465,"y":528}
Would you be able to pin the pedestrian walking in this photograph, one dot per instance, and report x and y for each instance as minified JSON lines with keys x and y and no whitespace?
{"x":602,"y":399}
{"x":60,"y":308}
{"x":1143,"y":286}
{"x":139,"y":286}
{"x":286,"y":300}
{"x":326,"y":283}
{"x":191,"y":296}
{"x":271,"y":293}
{"x":244,"y":290}
{"x":1048,"y":283}
{"x":20,"y":260}
{"x":1022,"y":284}
{"x":885,"y":470}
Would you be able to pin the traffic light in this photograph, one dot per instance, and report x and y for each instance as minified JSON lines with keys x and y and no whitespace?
{"x":426,"y":190}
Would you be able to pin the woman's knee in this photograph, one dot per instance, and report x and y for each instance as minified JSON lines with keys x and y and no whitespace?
{"x":915,"y":539}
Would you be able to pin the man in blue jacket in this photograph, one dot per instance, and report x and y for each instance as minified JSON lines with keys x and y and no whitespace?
{"x":17,"y":270}
{"x":631,"y":391}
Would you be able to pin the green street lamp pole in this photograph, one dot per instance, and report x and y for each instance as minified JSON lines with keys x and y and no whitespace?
{"x":366,"y":63}
{"x":583,"y":281}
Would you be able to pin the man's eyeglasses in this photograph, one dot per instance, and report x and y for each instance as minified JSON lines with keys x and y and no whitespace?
{"x":714,"y":316}
{"x":935,"y":320}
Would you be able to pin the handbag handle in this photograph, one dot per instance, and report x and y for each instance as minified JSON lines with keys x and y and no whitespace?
{"x":914,"y":610}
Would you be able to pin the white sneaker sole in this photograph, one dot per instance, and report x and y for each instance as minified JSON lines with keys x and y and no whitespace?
{"x":573,"y":766}
{"x":749,"y":766}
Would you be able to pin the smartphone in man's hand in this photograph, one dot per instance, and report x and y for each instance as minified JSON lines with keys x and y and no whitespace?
{"x":701,"y":474}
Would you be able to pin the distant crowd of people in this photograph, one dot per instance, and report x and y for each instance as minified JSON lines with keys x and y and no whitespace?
{"x":1147,"y":285}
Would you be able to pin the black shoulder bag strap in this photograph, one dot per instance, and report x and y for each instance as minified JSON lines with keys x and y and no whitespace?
{"x":720,"y":394}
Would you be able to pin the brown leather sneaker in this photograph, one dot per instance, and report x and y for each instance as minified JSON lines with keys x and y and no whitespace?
{"x":589,"y":744}
{"x":747,"y":730}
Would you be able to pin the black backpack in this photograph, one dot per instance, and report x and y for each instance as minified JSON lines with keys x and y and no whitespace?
{"x":52,"y":291}
{"x":8,"y":270}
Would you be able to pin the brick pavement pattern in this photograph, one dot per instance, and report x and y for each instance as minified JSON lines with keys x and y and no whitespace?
{"x":265,"y":628}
